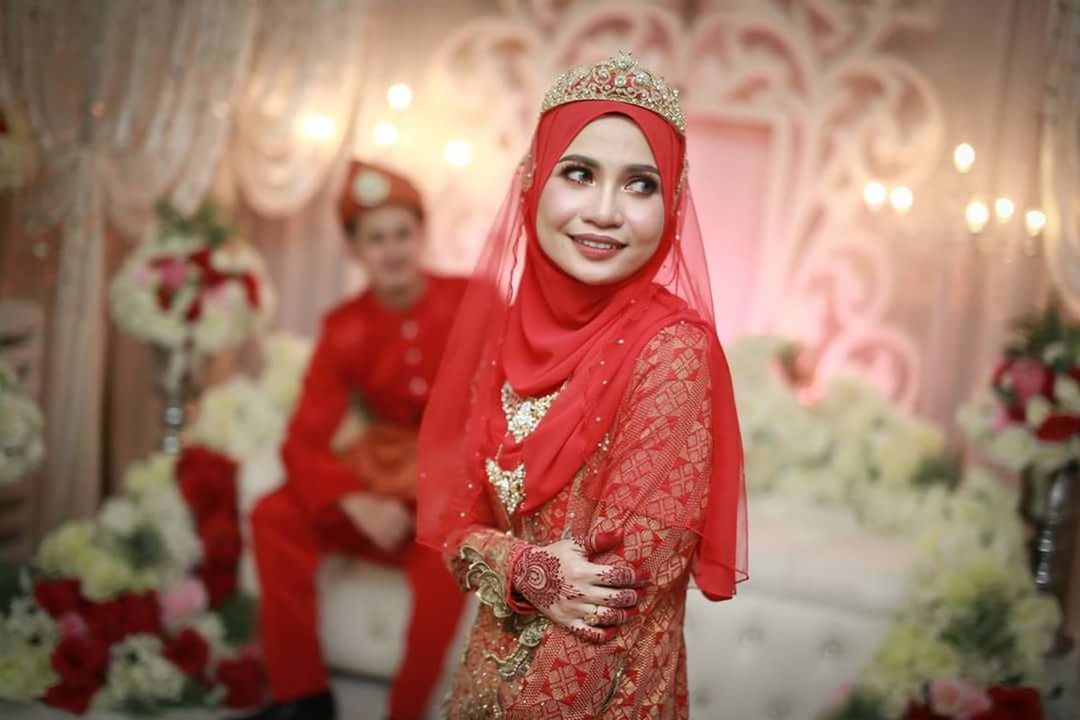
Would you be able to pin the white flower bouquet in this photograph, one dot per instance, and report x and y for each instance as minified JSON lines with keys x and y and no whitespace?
{"x":21,"y":428}
{"x":187,"y":284}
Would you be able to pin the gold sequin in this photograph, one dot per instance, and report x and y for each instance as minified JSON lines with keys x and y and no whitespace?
{"x":523,"y":416}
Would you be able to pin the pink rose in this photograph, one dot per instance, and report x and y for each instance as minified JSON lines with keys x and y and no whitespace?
{"x":216,"y":295}
{"x":172,"y":271}
{"x":144,"y":277}
{"x":71,"y":624}
{"x":1031,"y":378}
{"x":959,"y":699}
{"x":182,"y":600}
{"x":999,"y":417}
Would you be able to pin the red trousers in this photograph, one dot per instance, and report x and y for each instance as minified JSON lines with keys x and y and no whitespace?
{"x":288,"y":546}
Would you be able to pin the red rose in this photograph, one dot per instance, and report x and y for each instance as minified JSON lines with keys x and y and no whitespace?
{"x":916,"y":711}
{"x":220,"y":582}
{"x":74,"y":698}
{"x":194,"y":311}
{"x":222,"y":544}
{"x":1028,"y":378}
{"x":211,"y":276}
{"x":208,"y":483}
{"x":80,"y":660}
{"x":1013,"y":703}
{"x":251,"y":289}
{"x":59,"y":597}
{"x":113,"y":620}
{"x":164,"y":298}
{"x":1058,"y":428}
{"x":189,"y":652}
{"x":243,"y":678}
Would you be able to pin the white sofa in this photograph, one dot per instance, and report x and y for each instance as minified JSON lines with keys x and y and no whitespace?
{"x":820,"y":597}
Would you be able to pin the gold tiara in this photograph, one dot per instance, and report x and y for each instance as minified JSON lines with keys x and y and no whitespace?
{"x":621,"y":79}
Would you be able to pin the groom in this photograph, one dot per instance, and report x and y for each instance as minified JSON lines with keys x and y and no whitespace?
{"x":351,"y":482}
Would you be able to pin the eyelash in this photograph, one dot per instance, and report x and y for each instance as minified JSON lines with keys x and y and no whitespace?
{"x":570,"y":170}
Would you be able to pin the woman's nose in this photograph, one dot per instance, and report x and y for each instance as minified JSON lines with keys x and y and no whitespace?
{"x":603,"y":209}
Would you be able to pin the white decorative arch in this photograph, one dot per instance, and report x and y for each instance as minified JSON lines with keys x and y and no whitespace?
{"x":805,"y":94}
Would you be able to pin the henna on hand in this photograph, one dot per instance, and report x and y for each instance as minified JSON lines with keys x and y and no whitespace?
{"x":620,"y":576}
{"x":592,"y":634}
{"x":614,"y":616}
{"x":538,"y":576}
{"x":622,"y":599}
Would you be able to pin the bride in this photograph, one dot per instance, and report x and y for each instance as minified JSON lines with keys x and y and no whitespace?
{"x":580,"y":456}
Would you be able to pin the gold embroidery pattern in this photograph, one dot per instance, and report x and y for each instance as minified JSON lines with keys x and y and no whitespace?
{"x":530,"y":631}
{"x":509,"y":484}
{"x":523,"y":416}
{"x":486,"y":582}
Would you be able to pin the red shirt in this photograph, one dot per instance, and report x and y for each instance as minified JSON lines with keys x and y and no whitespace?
{"x":383,"y":358}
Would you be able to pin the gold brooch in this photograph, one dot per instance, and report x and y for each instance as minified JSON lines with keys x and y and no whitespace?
{"x":621,"y":79}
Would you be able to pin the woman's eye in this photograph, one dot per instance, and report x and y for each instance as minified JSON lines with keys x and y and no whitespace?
{"x":577,"y":174}
{"x":643,"y":185}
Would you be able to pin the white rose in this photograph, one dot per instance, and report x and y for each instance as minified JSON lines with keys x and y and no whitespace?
{"x":156,"y":471}
{"x":1015,"y":448}
{"x":1053,"y":352}
{"x":105,"y":575}
{"x":139,"y":673}
{"x":119,"y":515}
{"x":1038,"y":409}
{"x":26,"y":673}
{"x":26,"y":623}
{"x":21,"y":426}
{"x":1050,"y":456}
{"x":165,"y":509}
{"x":1067,"y":393}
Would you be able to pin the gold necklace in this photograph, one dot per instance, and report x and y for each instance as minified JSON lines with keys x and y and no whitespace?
{"x":523,"y":416}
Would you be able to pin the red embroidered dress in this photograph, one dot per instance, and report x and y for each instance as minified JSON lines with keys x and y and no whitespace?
{"x":571,"y":410}
{"x":523,"y":666}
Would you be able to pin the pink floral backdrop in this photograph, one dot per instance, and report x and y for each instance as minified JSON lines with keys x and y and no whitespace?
{"x":795,"y":106}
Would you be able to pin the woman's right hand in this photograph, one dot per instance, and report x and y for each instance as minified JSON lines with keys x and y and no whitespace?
{"x":590,"y":599}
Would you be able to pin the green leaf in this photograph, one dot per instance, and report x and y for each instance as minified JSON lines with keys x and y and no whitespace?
{"x":859,"y":705}
{"x":237,"y":614}
{"x":204,"y":223}
{"x":945,"y":469}
{"x":10,"y":585}
{"x":145,"y":548}
{"x":982,"y":630}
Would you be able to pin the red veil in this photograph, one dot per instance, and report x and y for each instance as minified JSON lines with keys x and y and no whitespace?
{"x":524,"y":321}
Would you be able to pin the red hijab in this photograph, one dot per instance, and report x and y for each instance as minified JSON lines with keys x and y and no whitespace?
{"x":555,"y":329}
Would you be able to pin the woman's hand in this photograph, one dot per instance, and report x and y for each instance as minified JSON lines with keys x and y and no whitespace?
{"x":590,"y":599}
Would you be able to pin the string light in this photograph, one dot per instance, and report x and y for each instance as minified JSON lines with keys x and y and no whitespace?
{"x":1035,"y":222}
{"x":977,"y":215}
{"x":901,"y":198}
{"x":318,"y":127}
{"x":1004,"y":209}
{"x":875,"y":194}
{"x":385,"y":133}
{"x":963,"y":157}
{"x":399,"y":95}
{"x":458,"y":153}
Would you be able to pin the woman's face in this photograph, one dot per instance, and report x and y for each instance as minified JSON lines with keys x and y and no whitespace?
{"x":601,"y":213}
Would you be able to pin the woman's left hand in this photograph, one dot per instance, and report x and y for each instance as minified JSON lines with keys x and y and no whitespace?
{"x":591,"y":599}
